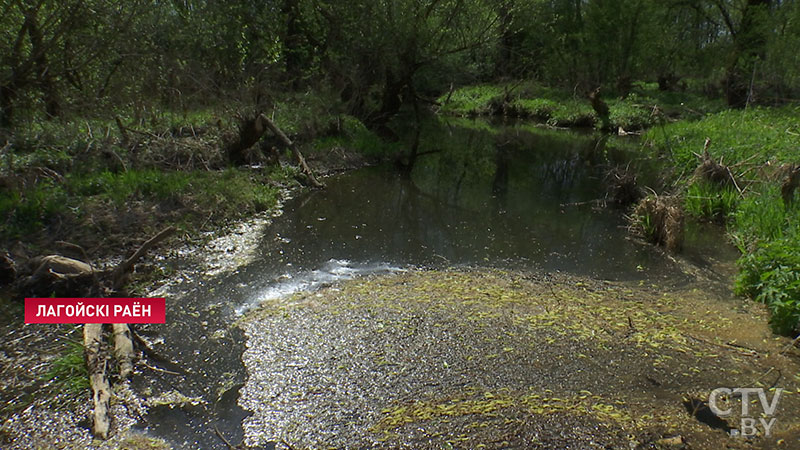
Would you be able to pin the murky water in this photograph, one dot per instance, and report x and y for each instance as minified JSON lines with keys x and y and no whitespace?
{"x":506,"y":196}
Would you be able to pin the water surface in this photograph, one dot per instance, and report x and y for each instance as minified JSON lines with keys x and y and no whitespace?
{"x":503,"y":196}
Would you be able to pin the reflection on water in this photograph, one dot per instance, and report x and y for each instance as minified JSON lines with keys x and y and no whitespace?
{"x":480,"y":196}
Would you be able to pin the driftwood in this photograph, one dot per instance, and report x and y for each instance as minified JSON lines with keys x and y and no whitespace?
{"x":97,"y":362}
{"x":123,"y":349}
{"x":68,"y":277}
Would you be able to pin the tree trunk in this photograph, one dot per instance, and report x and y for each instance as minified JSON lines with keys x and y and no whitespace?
{"x":749,"y":47}
{"x":7,"y":92}
{"x":292,"y":41}
{"x":391,"y":100}
{"x":44,"y":76}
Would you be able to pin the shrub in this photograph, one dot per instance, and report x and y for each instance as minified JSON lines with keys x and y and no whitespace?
{"x":771,"y":275}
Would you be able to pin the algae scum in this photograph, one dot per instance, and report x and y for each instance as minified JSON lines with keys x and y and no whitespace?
{"x":495,"y":359}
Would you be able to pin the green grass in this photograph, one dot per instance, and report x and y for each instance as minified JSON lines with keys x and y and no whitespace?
{"x":757,"y":135}
{"x":32,"y":209}
{"x":228,"y":193}
{"x":68,"y":371}
{"x":470,"y":100}
{"x":707,"y":201}
{"x":771,"y":275}
{"x":754,"y":143}
{"x":352,"y":134}
{"x":567,"y":109}
{"x":130,"y":185}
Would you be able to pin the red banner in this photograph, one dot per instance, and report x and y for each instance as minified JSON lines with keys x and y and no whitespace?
{"x":95,"y":310}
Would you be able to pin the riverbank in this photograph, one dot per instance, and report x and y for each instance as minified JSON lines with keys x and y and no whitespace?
{"x":431,"y":206}
{"x":747,"y":183}
{"x":643,"y":107}
{"x":106,"y":191}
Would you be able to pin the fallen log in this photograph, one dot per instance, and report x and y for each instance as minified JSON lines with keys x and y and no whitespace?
{"x":96,"y":363}
{"x":123,"y":349}
{"x":295,"y":151}
{"x":68,"y":277}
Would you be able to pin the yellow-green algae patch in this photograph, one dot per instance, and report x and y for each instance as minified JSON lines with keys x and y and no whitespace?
{"x":611,"y":359}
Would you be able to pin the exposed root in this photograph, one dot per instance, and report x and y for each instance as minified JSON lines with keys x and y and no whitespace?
{"x":623,"y":188}
{"x":714,"y":171}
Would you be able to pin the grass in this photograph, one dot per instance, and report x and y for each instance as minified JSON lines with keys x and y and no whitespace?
{"x":757,"y":135}
{"x":350,"y":133}
{"x":709,"y":202}
{"x":755,"y":143}
{"x":64,"y":172}
{"x":68,"y":371}
{"x":228,"y":193}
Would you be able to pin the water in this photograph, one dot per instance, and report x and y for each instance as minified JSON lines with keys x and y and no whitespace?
{"x":507,"y":196}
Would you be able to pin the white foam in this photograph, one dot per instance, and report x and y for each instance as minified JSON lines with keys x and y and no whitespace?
{"x":331,"y":271}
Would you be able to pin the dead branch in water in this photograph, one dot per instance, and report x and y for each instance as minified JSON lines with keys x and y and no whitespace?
{"x":118,"y":274}
{"x":295,"y":151}
{"x":97,"y":362}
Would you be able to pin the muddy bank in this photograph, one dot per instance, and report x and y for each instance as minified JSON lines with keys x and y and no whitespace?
{"x":492,"y":359}
{"x":39,"y":411}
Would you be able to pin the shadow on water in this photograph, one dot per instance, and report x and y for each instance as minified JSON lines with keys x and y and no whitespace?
{"x":509,"y":196}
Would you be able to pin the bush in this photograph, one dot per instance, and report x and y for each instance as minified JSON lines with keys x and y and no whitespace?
{"x":771,"y":275}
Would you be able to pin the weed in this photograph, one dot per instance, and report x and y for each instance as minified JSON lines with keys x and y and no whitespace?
{"x":707,"y":201}
{"x":68,"y":371}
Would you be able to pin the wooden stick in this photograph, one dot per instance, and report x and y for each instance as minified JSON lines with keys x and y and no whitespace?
{"x":125,"y":266}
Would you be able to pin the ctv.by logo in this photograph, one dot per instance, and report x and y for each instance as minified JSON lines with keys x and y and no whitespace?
{"x":749,"y":425}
